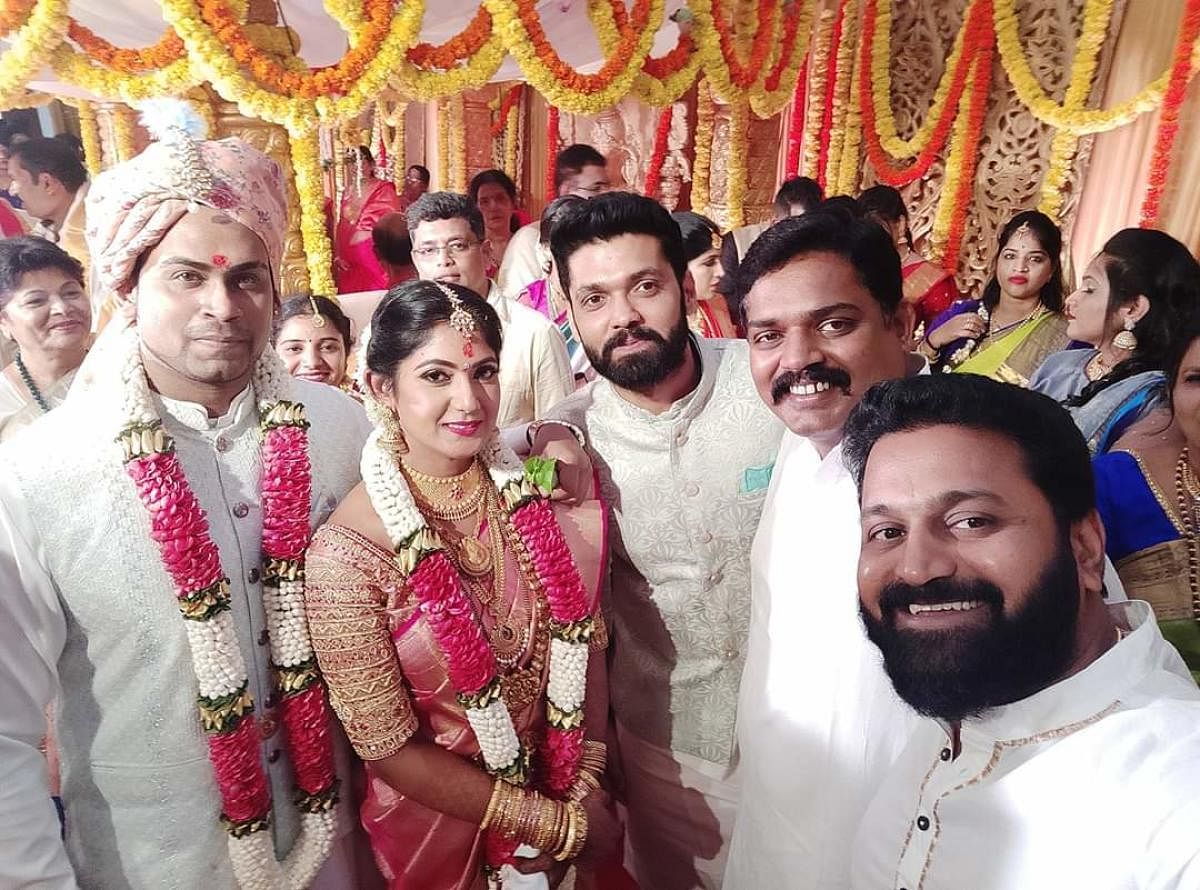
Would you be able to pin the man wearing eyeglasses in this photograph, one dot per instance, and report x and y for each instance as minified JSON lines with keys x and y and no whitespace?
{"x":448,"y":240}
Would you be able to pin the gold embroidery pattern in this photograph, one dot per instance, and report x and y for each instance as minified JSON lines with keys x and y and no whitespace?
{"x":349,"y":627}
{"x":599,"y":640}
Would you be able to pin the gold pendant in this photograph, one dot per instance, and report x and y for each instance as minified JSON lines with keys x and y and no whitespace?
{"x":475,"y":557}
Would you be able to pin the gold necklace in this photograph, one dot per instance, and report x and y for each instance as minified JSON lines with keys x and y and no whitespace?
{"x":1187,"y":492}
{"x":1096,"y":367}
{"x":446,"y":497}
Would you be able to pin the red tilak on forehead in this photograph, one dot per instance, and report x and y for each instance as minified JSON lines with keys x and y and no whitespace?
{"x":219,"y":259}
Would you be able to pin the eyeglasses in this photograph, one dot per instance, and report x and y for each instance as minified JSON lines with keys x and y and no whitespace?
{"x":453,"y":248}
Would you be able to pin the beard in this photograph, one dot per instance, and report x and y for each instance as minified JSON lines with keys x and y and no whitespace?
{"x":965,"y":672}
{"x":648,"y":367}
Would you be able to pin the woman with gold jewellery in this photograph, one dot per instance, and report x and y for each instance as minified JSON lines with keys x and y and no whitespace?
{"x":1137,"y":293}
{"x":1007,"y":334}
{"x":1149,"y":499}
{"x":708,"y":312}
{"x":365,"y":199}
{"x":455,"y":616}
{"x":312,"y":336}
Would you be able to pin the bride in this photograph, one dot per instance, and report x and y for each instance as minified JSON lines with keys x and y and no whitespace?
{"x":455,"y":616}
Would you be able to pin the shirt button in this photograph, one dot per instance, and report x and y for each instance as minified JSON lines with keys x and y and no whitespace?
{"x":923,"y":823}
{"x":945,"y":755}
{"x":253,"y":576}
{"x":691,"y":489}
{"x":705,"y":537}
{"x":241,"y":510}
{"x":222,"y":444}
{"x":681,"y":438}
{"x":731,"y":654}
{"x":268,"y":727}
{"x":273,"y":756}
{"x":716,"y":578}
{"x":264,"y":637}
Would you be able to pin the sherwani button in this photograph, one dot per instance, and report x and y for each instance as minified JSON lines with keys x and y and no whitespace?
{"x":241,"y":511}
{"x":273,"y":756}
{"x":264,"y":637}
{"x":223,"y":444}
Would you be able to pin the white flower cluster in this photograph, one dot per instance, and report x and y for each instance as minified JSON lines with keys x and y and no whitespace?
{"x":498,"y":742}
{"x":270,"y":379}
{"x":287,"y":628}
{"x":255,"y":865}
{"x":568,"y":674}
{"x":216,"y":656}
{"x":388,"y":491}
{"x":136,"y":404}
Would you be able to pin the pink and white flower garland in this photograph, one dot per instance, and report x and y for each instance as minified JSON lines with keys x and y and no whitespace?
{"x":180,"y":528}
{"x":447,"y":609}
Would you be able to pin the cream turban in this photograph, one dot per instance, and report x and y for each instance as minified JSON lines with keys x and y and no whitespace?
{"x":131,"y":206}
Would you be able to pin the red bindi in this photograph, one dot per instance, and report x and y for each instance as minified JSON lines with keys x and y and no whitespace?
{"x":219,"y":259}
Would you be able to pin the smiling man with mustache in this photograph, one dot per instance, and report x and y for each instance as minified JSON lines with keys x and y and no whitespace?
{"x":818,"y":723}
{"x":684,"y":448}
{"x":1064,"y":749}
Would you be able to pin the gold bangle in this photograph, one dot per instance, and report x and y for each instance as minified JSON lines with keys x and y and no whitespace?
{"x":581,"y":831}
{"x":493,"y":802}
{"x":585,"y":784}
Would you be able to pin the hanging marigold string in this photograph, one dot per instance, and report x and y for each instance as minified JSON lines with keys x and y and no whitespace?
{"x":831,"y":76}
{"x":702,"y":165}
{"x":509,"y":102}
{"x":318,"y":252}
{"x":13,"y":14}
{"x":1182,"y":72}
{"x":89,"y":134}
{"x":795,"y":139}
{"x":459,"y":48}
{"x":167,"y":49}
{"x":842,"y":64}
{"x":551,"y":151}
{"x":661,"y":134}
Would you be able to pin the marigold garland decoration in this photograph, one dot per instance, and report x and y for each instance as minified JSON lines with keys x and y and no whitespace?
{"x":654,"y":172}
{"x":512,"y":145}
{"x":89,"y":134}
{"x":1182,"y":71}
{"x":841,"y":93}
{"x":795,"y":137}
{"x":443,"y":145}
{"x":459,"y":48}
{"x":13,"y":14}
{"x":168,"y":49}
{"x":551,"y":151}
{"x":28,"y":48}
{"x":850,"y":165}
{"x":124,"y":137}
{"x":703,"y":137}
{"x":831,"y":80}
{"x":458,"y":144}
{"x":735,"y":171}
{"x":508,"y":105}
{"x":318,"y":252}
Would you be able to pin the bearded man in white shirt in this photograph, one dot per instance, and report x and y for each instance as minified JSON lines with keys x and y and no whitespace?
{"x":447,"y":245}
{"x":1063,"y":745}
{"x":684,"y":449}
{"x":818,"y":721}
{"x":152,"y":533}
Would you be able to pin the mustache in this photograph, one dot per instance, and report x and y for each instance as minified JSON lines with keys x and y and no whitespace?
{"x":898,"y":595}
{"x":818,"y":373}
{"x":630,"y":335}
{"x":218,"y":333}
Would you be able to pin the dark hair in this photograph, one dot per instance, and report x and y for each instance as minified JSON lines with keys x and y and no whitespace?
{"x":1052,"y":448}
{"x":571,"y":161}
{"x":861,"y":243}
{"x":495,"y":177}
{"x":432,"y":206}
{"x":798,"y":190}
{"x":54,"y":156}
{"x":302,"y":306}
{"x":423,"y":172}
{"x":406,"y":316}
{"x":365,"y":153}
{"x":391,"y":244}
{"x":885,"y":205}
{"x":1049,"y":236}
{"x":553,"y":212}
{"x":76,"y":145}
{"x":1150,"y":263}
{"x":697,"y":231}
{"x":1182,"y":339}
{"x":27,"y":253}
{"x":844,"y":206}
{"x":610,"y":216}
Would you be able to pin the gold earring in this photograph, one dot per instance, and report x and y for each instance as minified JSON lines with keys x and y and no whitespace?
{"x":392,"y":433}
{"x":1125,"y":340}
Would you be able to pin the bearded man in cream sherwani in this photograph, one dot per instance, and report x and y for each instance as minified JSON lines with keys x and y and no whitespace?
{"x":116,"y":607}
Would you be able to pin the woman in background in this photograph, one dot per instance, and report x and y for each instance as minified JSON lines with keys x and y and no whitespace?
{"x":709,"y":315}
{"x":1007,"y":334}
{"x":364,"y":200}
{"x":1135,"y":295}
{"x":312,"y":336}
{"x":495,"y":194}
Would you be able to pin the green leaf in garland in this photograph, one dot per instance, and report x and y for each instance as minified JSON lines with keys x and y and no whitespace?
{"x":542,"y":472}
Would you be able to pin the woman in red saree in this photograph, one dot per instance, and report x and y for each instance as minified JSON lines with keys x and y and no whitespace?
{"x":364,"y":200}
{"x":455,"y":616}
{"x":929,"y":287}
{"x":709,"y":314}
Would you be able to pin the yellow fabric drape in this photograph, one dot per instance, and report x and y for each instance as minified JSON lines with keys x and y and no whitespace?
{"x":1115,"y":183}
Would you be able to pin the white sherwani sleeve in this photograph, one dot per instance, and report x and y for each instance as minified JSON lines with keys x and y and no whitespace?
{"x":32,"y":635}
{"x":553,"y":380}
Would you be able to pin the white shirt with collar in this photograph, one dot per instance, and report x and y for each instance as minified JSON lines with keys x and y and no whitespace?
{"x":88,"y":615}
{"x":521,"y":265}
{"x":1091,"y":783}
{"x":818,"y":720}
{"x":535,"y":370}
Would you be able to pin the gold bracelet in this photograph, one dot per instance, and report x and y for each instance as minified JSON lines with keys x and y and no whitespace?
{"x":493,"y":802}
{"x":581,"y":831}
{"x":594,"y":757}
{"x":585,"y":784}
{"x":576,"y":834}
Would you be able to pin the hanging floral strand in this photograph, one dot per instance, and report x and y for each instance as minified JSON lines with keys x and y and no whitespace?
{"x":796,"y":123}
{"x":551,"y":151}
{"x":654,"y":173}
{"x":703,"y":136}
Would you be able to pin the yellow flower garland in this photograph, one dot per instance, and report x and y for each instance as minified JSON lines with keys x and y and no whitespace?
{"x":735,"y":170}
{"x":507,"y":22}
{"x":443,"y":144}
{"x":1096,"y":17}
{"x":1076,"y":120}
{"x":458,"y":144}
{"x":318,"y":252}
{"x":816,"y":110}
{"x":29,"y":47}
{"x":76,"y":68}
{"x":881,"y":86}
{"x":122,"y":118}
{"x":512,"y":137}
{"x":850,"y":168}
{"x":89,"y":134}
{"x":841,"y":98}
{"x":712,"y":59}
{"x":766,"y":103}
{"x":348,"y":14}
{"x":425,"y":86}
{"x":651,"y":90}
{"x":399,"y":149}
{"x":703,"y":137}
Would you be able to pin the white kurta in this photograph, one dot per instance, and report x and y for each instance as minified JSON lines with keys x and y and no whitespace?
{"x":521,"y":266}
{"x":1093,"y":782}
{"x":535,"y":370}
{"x":818,"y":721}
{"x":88,"y":614}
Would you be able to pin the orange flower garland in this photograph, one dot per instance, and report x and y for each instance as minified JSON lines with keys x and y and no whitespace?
{"x":978,"y":36}
{"x":831,"y":76}
{"x":965,"y":157}
{"x":457,"y":49}
{"x":168,"y":49}
{"x":336,"y":79}
{"x":13,"y":14}
{"x":795,"y":138}
{"x":745,"y":76}
{"x":1168,"y":122}
{"x":507,"y":104}
{"x":551,"y":151}
{"x":654,"y":173}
